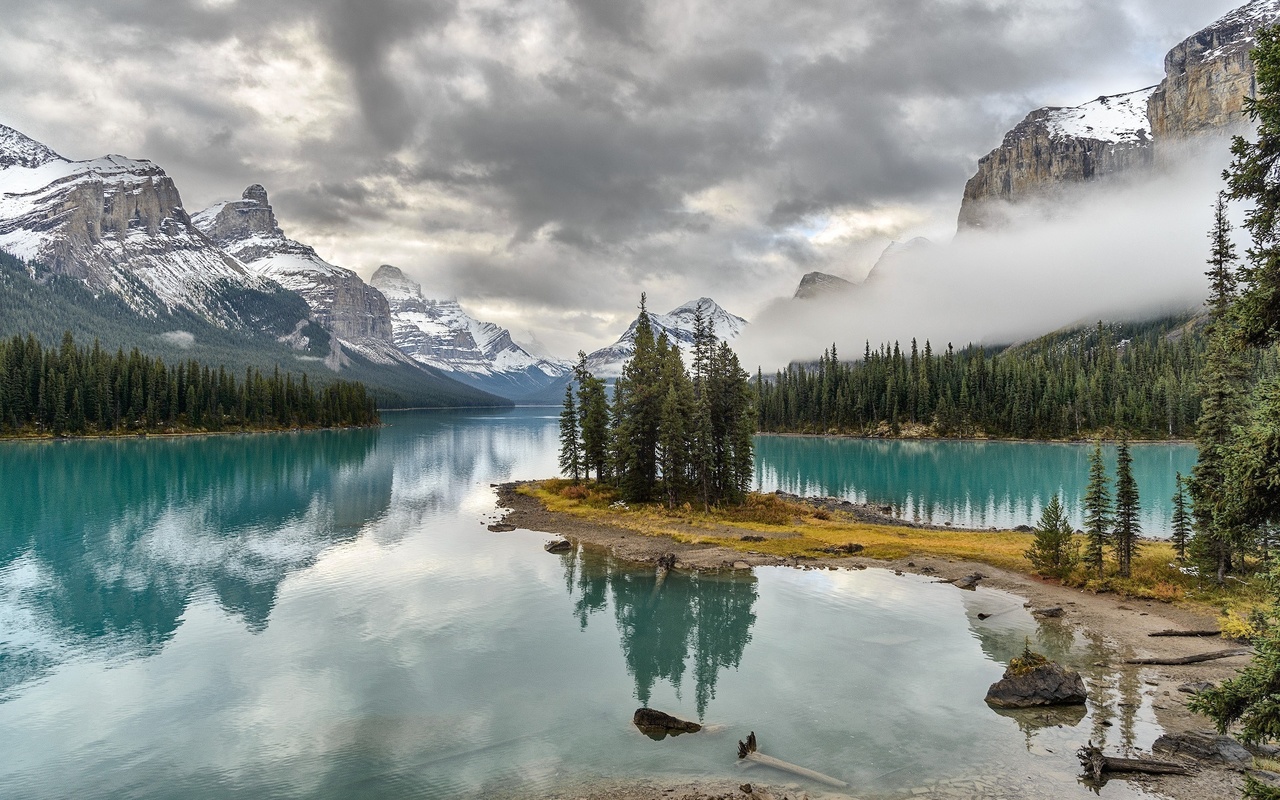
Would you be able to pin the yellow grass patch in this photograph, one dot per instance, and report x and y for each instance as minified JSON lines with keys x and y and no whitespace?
{"x":797,"y":530}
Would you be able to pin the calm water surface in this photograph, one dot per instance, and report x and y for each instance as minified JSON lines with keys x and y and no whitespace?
{"x":324,"y":615}
{"x":970,"y":484}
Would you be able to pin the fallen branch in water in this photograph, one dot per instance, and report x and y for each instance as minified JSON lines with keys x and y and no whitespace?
{"x":1096,"y":765}
{"x":1186,"y":633}
{"x":1173,"y":662}
{"x":747,"y":750}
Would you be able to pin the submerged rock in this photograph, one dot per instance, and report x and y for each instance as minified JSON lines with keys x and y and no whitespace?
{"x":657,"y":725}
{"x":1047,"y":613}
{"x":1046,"y":684}
{"x":558,"y":546}
{"x":969,"y":582}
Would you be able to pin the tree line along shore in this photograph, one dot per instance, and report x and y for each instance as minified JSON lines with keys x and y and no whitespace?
{"x":74,"y":390}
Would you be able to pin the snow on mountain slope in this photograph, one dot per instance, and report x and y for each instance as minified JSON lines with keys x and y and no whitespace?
{"x":340,"y":300}
{"x":607,"y":362}
{"x":1120,"y":118}
{"x":118,"y":224}
{"x":440,"y":334}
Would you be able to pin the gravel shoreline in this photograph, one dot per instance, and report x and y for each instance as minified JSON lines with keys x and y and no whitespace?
{"x":1121,"y":624}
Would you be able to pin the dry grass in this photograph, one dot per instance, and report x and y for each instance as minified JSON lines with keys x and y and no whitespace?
{"x":797,"y":530}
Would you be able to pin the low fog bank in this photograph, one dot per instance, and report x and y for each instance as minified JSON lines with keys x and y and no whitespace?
{"x":1121,"y":250}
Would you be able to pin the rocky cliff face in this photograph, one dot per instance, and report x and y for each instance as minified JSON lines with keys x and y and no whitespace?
{"x":820,"y":284}
{"x":1206,"y":80}
{"x":438,"y":333}
{"x":118,"y":224}
{"x":340,"y":301}
{"x":1208,"y":76}
{"x":1053,"y":146}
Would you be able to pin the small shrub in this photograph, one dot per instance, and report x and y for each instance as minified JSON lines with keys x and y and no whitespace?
{"x":1235,"y":625}
{"x":822,"y":514}
{"x":1027,"y":662}
{"x":574,"y":491}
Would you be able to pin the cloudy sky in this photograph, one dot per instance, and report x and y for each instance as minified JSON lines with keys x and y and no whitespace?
{"x":545,"y":161}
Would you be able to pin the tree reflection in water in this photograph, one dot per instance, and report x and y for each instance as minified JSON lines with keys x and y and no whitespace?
{"x":704,"y":617}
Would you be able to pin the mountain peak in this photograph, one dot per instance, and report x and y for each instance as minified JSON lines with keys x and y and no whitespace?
{"x":818,"y":284}
{"x":256,"y":193}
{"x":19,"y":150}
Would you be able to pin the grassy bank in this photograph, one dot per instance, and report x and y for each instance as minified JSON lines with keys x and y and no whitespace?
{"x":780,"y":527}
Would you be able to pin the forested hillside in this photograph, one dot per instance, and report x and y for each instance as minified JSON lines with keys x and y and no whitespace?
{"x":1139,"y":378}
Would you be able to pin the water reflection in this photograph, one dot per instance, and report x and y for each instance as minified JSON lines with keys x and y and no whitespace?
{"x":104,"y":544}
{"x":973,"y":484}
{"x":666,"y":621}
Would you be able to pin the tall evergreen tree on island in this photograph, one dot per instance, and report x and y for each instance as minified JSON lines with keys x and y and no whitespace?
{"x":1128,"y":526}
{"x":570,"y":450}
{"x":1097,"y":513}
{"x":593,"y":419}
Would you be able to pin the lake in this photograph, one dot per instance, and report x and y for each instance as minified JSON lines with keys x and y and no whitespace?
{"x":325,"y":615}
{"x":972,"y":484}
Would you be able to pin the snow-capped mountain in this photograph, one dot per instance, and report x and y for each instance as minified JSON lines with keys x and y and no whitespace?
{"x":440,"y":334}
{"x":340,"y":300}
{"x":118,"y":224}
{"x":607,"y":362}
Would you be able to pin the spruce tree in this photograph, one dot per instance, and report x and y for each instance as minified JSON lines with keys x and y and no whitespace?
{"x":1097,"y":512}
{"x":1052,"y":552}
{"x":1181,"y":522}
{"x":1128,"y":525}
{"x":1222,"y":386}
{"x":593,"y":420}
{"x":570,"y":451}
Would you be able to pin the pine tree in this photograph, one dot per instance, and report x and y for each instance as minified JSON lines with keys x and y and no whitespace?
{"x":1097,"y":512}
{"x":1128,"y":525}
{"x":1223,"y":388}
{"x":1181,"y":522}
{"x":570,"y":450}
{"x":1053,"y":552}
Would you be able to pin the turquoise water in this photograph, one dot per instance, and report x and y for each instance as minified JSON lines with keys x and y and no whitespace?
{"x":969,"y":484}
{"x":325,"y":615}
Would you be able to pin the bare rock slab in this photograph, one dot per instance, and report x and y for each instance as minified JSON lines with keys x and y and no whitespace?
{"x":1049,"y":684}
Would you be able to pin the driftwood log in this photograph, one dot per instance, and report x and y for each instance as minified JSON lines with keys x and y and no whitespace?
{"x":1185,"y":633}
{"x":748,"y":751}
{"x":1196,"y":659}
{"x":1096,"y":765}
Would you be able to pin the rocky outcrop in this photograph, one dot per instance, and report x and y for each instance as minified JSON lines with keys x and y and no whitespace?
{"x":658,"y":724}
{"x":440,"y":334}
{"x":820,"y":284}
{"x":118,"y":224}
{"x":1208,"y":76}
{"x":1045,"y":684}
{"x":340,"y":300}
{"x":1204,"y":747}
{"x":1055,"y":146}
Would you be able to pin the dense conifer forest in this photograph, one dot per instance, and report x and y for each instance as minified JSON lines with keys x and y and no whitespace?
{"x":671,"y":434}
{"x":72,"y":390}
{"x":1134,"y":378}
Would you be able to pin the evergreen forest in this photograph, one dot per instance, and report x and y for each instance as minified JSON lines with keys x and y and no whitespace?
{"x":671,"y":434}
{"x":1136,"y":378}
{"x":74,"y":390}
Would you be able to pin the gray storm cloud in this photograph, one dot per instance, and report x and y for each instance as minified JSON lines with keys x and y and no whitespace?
{"x":546,"y":161}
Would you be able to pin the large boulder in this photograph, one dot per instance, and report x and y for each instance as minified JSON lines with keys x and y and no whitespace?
{"x":1042,"y":683}
{"x":658,"y":725}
